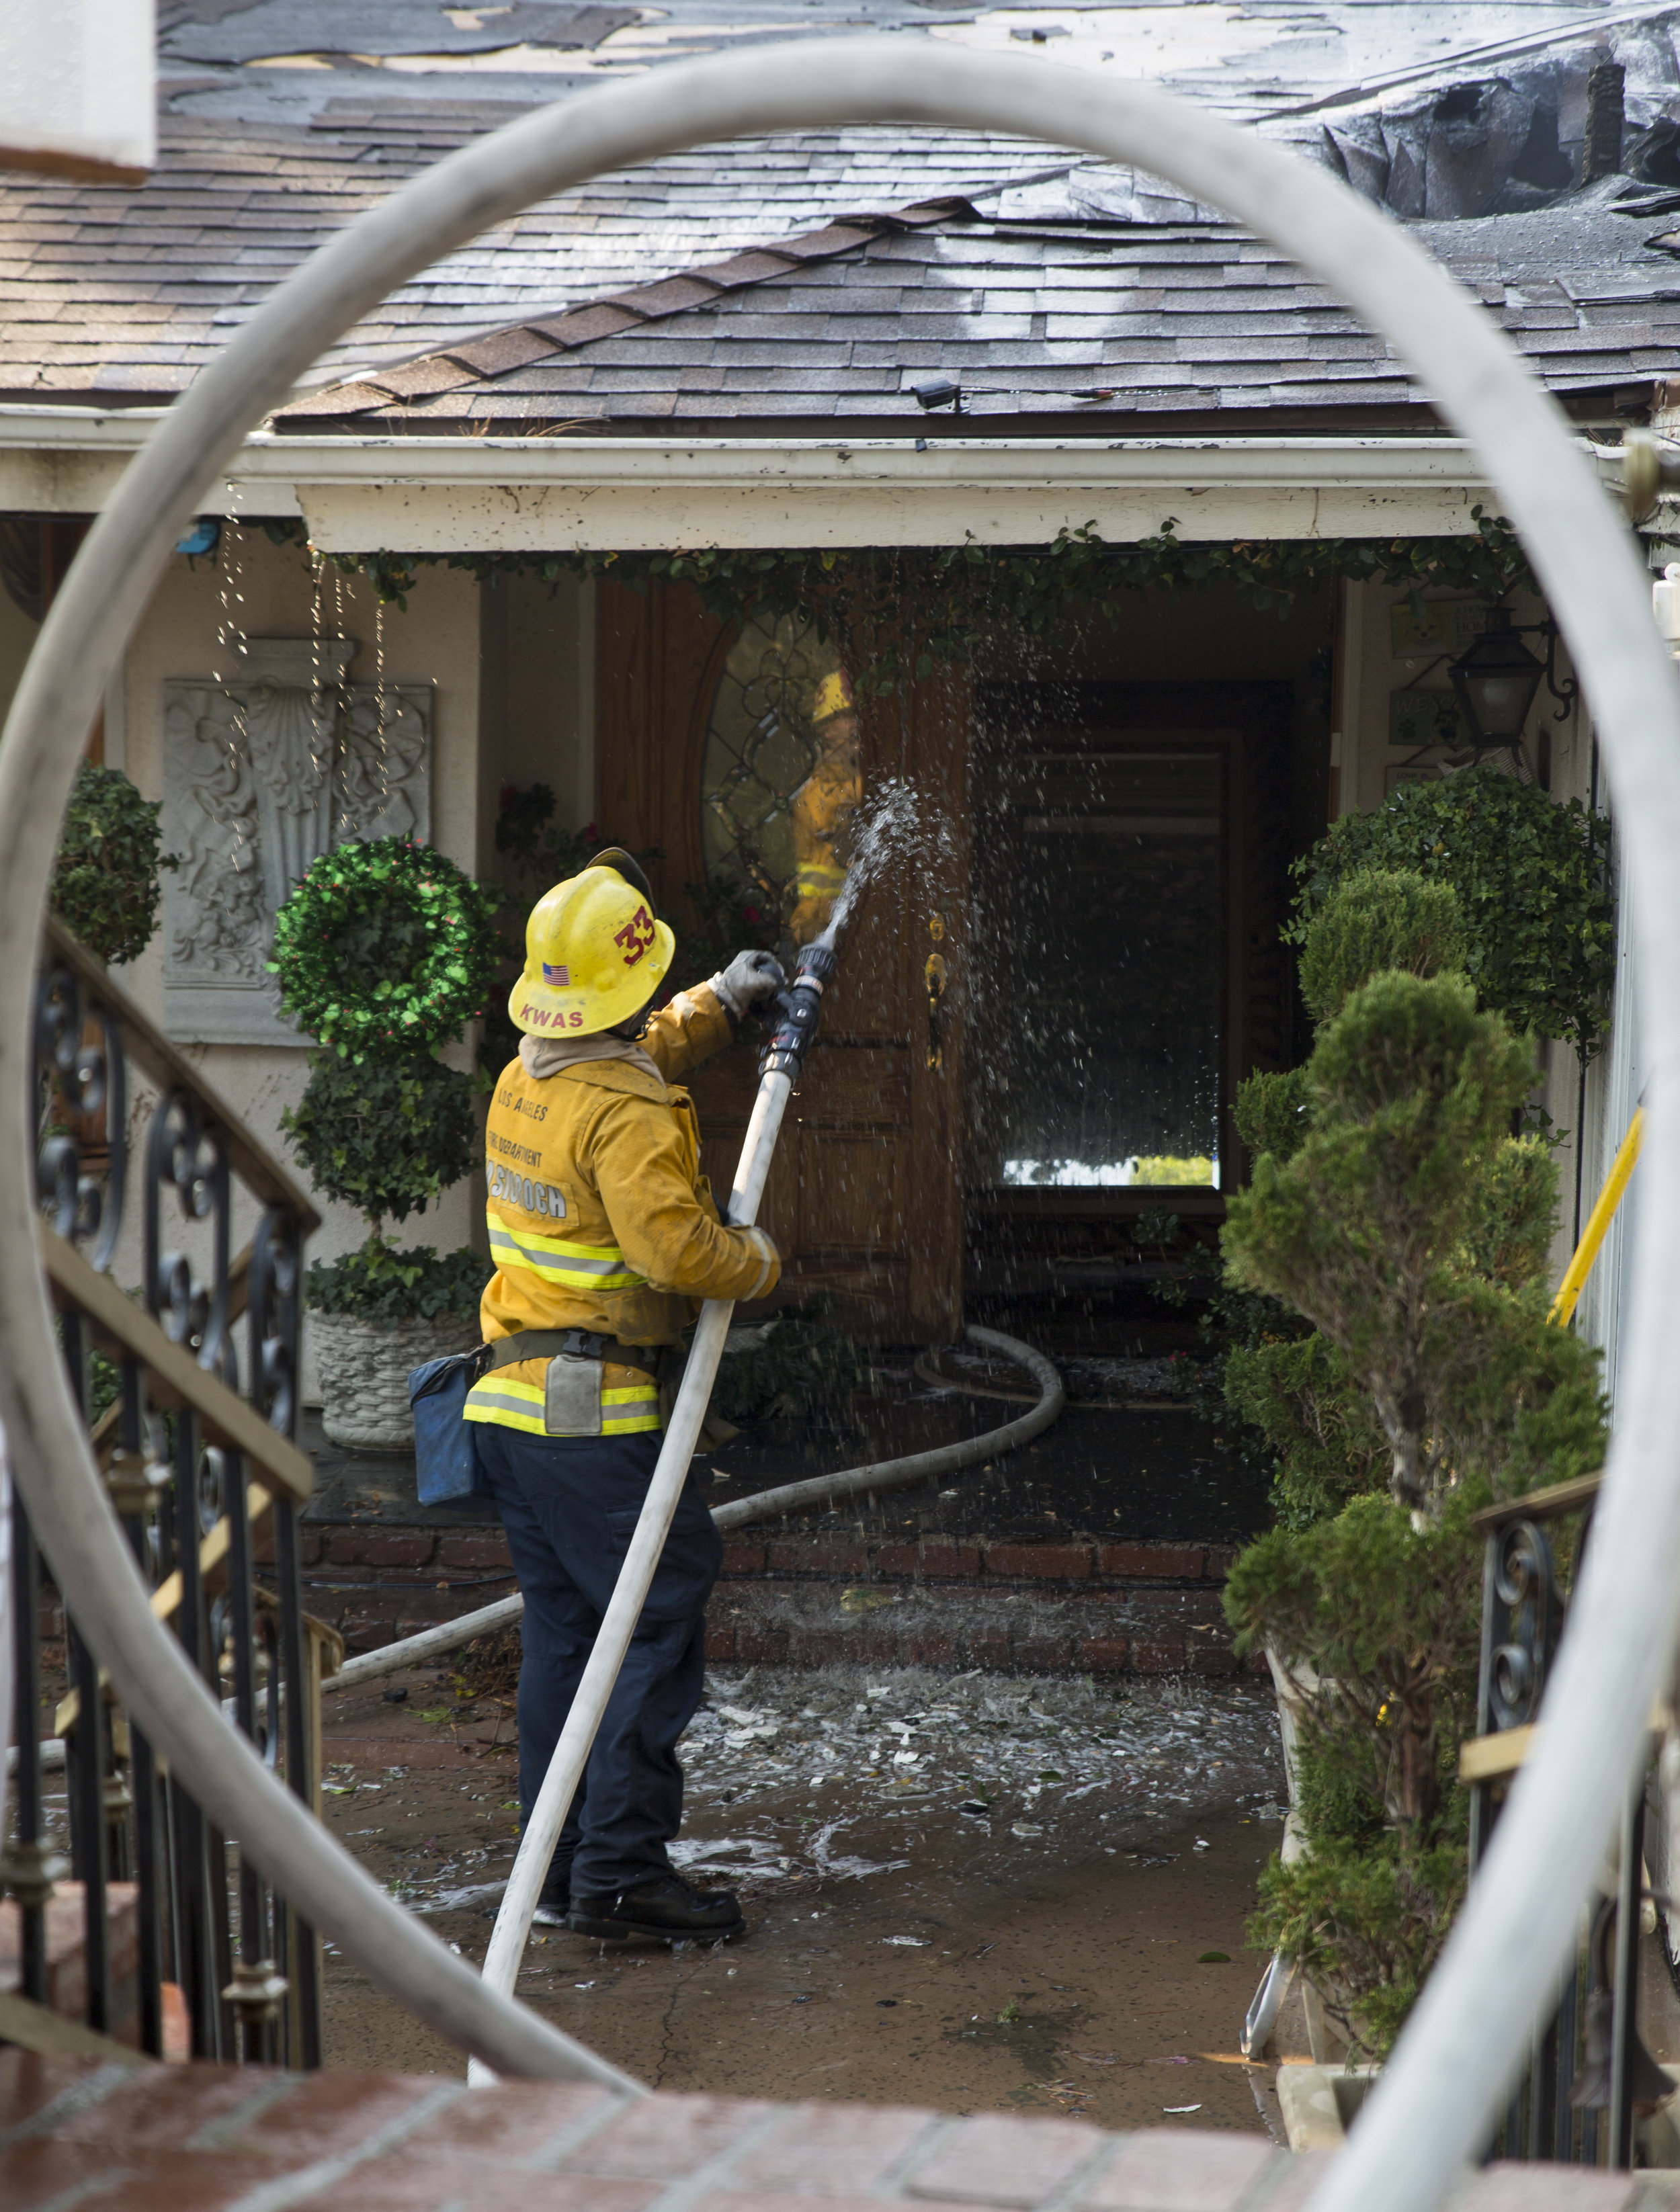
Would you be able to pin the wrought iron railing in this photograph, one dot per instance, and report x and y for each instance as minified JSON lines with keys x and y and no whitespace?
{"x":1574,"y":2100}
{"x":197,"y":1448}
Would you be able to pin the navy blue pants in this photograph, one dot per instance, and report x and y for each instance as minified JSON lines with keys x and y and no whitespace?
{"x":568,"y":1504}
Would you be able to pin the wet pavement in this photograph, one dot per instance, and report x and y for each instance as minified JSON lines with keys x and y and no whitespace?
{"x":974,"y":1892}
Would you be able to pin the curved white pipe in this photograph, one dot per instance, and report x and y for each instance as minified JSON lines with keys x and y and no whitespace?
{"x":762,"y":1505}
{"x":1467,"y":2036}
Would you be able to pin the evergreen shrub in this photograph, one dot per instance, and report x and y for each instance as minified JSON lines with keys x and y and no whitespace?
{"x":1393,"y":1214}
{"x":105,"y":879}
{"x":385,"y":1136}
{"x":384,"y":951}
{"x":385,"y":946}
{"x":380,"y":1283}
{"x":1532,"y":881}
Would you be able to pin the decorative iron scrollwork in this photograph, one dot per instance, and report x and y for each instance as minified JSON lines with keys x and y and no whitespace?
{"x":273,"y":1301}
{"x":186,"y":1154}
{"x":75,"y":1078}
{"x":129,"y":1819}
{"x":1526,"y":1586}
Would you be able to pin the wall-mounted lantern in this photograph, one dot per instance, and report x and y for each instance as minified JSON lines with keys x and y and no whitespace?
{"x":1496,"y":677}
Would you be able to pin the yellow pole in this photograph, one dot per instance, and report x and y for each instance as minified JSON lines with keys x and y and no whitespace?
{"x":1574,"y":1279}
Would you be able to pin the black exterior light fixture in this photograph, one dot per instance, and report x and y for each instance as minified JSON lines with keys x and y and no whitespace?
{"x":939,"y":391}
{"x":1496,"y":676}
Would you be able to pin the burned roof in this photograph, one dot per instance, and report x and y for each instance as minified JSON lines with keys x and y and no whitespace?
{"x":1041,"y":321}
{"x":285,"y":119}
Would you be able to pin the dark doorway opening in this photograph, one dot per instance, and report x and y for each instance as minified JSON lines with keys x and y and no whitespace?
{"x":1131,"y":879}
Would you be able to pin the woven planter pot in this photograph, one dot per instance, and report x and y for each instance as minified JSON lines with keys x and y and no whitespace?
{"x":364,"y":1367}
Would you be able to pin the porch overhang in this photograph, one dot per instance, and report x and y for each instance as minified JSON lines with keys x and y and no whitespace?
{"x":463,"y":494}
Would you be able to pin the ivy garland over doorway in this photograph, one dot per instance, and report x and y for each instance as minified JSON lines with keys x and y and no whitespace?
{"x":926,"y":606}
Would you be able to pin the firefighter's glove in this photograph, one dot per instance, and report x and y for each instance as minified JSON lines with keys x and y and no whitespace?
{"x":750,"y":979}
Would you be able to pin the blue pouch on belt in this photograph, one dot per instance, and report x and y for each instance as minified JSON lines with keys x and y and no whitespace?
{"x":445,"y":1447}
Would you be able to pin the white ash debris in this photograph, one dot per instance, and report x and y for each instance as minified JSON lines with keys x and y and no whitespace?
{"x":986,"y":1741}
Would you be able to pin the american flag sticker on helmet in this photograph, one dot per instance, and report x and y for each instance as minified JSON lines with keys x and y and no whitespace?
{"x":559,"y":977}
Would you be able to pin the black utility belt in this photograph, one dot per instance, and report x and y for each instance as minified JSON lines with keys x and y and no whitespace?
{"x":569,"y":1344}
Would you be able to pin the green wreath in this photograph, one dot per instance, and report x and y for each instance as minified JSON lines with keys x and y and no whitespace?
{"x":385,"y":945}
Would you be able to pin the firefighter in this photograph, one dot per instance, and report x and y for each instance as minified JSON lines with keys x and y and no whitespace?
{"x":823,"y":807}
{"x":605,"y":1237}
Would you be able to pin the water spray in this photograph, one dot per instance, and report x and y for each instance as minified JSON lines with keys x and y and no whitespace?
{"x":887,"y":828}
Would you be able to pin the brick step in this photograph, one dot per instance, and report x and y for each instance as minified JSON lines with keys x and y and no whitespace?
{"x":363,"y":1552}
{"x":1040,"y":1629}
{"x":211,"y":2138}
{"x":1047,"y":1607}
{"x":1085,"y":1608}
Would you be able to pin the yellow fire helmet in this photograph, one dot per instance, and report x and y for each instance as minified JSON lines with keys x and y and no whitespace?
{"x":595,"y":953}
{"x":834,"y":697}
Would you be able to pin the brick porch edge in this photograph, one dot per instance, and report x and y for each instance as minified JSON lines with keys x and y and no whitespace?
{"x":245,"y":2139}
{"x":1119,"y":1608}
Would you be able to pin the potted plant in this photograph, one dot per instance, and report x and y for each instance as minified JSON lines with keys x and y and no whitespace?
{"x":384,"y":952}
{"x":1393,"y":1209}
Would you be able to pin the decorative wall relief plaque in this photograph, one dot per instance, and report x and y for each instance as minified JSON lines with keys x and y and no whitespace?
{"x":261,"y":776}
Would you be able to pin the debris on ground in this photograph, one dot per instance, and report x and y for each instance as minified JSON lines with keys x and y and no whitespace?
{"x":1014,"y":1756}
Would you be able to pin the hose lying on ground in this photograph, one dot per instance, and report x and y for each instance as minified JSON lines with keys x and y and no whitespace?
{"x":763,"y":1505}
{"x":926,"y":1369}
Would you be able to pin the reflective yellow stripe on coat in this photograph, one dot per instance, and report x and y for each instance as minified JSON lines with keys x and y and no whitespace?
{"x":558,"y":1260}
{"x":514,"y":1405}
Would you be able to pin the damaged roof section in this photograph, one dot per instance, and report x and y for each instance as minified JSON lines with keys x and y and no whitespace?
{"x":1043,"y":323}
{"x":116,"y":295}
{"x":1519,"y":133}
{"x":288,"y":118}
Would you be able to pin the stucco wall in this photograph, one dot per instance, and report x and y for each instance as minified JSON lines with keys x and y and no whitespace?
{"x":267,"y":591}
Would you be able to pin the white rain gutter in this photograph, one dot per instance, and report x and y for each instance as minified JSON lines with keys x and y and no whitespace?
{"x":438,"y":494}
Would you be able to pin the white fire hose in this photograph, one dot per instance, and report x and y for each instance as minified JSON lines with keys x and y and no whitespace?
{"x":762,"y":1505}
{"x":1499,"y":1973}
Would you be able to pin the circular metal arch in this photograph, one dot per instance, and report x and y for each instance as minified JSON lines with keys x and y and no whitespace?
{"x":1468,"y":2033}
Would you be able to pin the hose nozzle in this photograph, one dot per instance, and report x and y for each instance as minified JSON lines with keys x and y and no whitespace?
{"x":797,"y":1010}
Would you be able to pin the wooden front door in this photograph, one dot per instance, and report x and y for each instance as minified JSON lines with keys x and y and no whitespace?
{"x":866,"y":1195}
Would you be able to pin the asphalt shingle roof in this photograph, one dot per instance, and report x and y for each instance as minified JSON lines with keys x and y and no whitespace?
{"x":1039,"y":321}
{"x":108,"y":292}
{"x":295,"y":115}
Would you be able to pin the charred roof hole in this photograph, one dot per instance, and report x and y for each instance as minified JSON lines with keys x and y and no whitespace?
{"x":1655,"y":155}
{"x":1541,"y":161}
{"x":1460,"y":103}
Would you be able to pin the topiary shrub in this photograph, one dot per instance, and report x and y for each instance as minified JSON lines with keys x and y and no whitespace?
{"x":1379,"y":919}
{"x":385,"y":946}
{"x":384,"y":951}
{"x":105,"y":880}
{"x":1399,"y":1217}
{"x":1532,"y":880}
{"x":385,"y":1137}
{"x":380,"y":1283}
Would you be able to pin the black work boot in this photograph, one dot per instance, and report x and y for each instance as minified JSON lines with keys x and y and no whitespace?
{"x":666,"y":1909}
{"x":555,"y":1902}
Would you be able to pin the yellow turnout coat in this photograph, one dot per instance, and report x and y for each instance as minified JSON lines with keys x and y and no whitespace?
{"x":601,"y":1219}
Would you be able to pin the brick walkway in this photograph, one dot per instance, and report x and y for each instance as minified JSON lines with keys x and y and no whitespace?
{"x":230,"y":2139}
